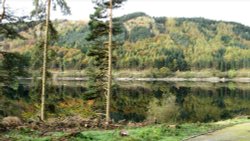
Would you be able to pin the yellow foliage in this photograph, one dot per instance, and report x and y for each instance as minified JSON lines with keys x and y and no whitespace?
{"x":73,"y":106}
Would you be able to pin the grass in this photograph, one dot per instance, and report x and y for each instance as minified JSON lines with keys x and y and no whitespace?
{"x":161,"y":73}
{"x":69,"y":73}
{"x":213,"y":73}
{"x":132,"y":73}
{"x":159,"y":132}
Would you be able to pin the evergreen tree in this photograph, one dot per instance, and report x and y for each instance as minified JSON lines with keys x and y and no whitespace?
{"x":49,"y":30}
{"x":7,"y":16}
{"x":3,"y":10}
{"x":12,"y":65}
{"x":100,"y":70}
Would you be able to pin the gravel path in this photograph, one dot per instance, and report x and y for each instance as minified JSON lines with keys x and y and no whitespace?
{"x":240,"y":132}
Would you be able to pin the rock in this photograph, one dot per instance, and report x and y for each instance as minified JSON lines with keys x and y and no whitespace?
{"x":173,"y":126}
{"x":123,"y":133}
{"x":11,"y":122}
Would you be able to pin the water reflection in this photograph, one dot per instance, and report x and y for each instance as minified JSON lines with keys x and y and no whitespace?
{"x":182,"y":102}
{"x":161,"y":101}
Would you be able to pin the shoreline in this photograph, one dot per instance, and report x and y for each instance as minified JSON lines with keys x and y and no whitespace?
{"x":177,"y":79}
{"x":166,"y":79}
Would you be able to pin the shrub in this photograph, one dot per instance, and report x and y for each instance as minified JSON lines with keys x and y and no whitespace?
{"x":11,"y":122}
{"x":231,"y":73}
{"x":162,"y":72}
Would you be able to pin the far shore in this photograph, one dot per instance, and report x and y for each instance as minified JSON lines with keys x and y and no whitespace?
{"x":167,"y":79}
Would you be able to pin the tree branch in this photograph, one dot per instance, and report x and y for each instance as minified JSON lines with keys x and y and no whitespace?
{"x":3,"y":12}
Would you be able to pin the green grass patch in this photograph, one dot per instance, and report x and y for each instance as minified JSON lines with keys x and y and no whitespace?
{"x":162,"y":132}
{"x":159,"y":132}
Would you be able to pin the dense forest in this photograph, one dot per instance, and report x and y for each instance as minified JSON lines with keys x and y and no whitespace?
{"x":167,"y":44}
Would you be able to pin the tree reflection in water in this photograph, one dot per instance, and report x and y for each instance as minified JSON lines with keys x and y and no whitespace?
{"x":161,"y":101}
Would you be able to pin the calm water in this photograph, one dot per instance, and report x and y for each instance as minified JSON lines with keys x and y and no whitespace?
{"x":134,"y":101}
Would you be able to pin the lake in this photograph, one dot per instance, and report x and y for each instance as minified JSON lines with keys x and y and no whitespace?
{"x":132,"y":100}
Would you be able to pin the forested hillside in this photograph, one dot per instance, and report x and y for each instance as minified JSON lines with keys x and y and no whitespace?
{"x":169,"y":44}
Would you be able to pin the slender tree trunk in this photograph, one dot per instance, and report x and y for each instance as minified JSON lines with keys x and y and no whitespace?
{"x":3,"y":12}
{"x":45,"y":50}
{"x":109,"y":65}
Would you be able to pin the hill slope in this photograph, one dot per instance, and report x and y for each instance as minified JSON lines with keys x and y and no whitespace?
{"x":169,"y":43}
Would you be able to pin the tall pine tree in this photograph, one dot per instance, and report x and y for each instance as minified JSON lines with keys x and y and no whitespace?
{"x":12,"y":65}
{"x":100,"y":68}
{"x":40,"y":10}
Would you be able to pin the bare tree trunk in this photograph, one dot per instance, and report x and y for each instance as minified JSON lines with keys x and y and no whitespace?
{"x":3,"y":12}
{"x":45,"y":51}
{"x":109,"y":65}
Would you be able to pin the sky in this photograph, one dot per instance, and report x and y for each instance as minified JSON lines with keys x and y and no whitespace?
{"x":226,"y":10}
